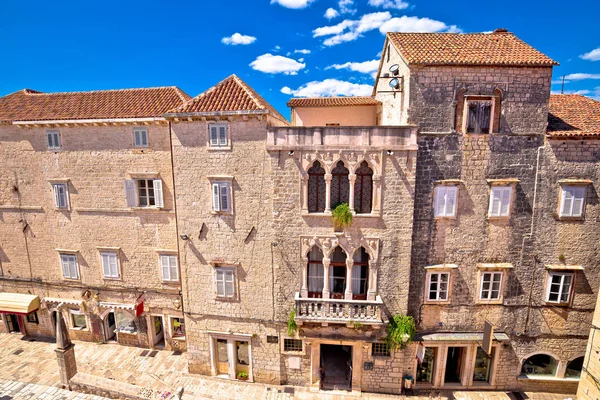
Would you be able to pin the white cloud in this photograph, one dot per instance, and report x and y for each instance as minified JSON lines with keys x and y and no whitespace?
{"x":295,"y":4}
{"x":397,"y":4}
{"x":328,"y":88}
{"x":416,"y":24}
{"x":349,"y":30}
{"x":365,"y":67}
{"x":333,"y":29}
{"x":580,"y":76}
{"x":559,"y":81}
{"x":238,"y":38}
{"x":301,"y":60}
{"x":346,"y":7}
{"x":582,"y":92}
{"x":271,"y":64}
{"x":331,"y":13}
{"x":302,"y":51}
{"x":593,"y":55}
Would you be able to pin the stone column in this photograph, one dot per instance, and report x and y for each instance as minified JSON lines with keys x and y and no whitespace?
{"x":376,"y":207}
{"x":349,"y":265}
{"x":232,"y":356}
{"x":65,"y":351}
{"x":305,"y":194}
{"x":304,"y":289}
{"x":328,"y":193}
{"x":352,"y":179}
{"x":326,"y":288}
{"x":371,"y":293}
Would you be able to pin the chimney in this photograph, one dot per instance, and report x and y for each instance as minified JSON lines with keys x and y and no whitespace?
{"x":500,"y":30}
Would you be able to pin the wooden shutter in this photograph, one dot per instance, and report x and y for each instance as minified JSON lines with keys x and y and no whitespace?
{"x":138,"y":141}
{"x":578,"y":201}
{"x":50,"y":140}
{"x":216,"y":202}
{"x":224,"y":188}
{"x":450,"y":201}
{"x":505,"y":201}
{"x":164,"y":260}
{"x":106,"y":264}
{"x":229,"y":287}
{"x":65,"y":265}
{"x":56,"y":196}
{"x":494,"y":210}
{"x":440,"y":193}
{"x":220,"y":282}
{"x":223,"y":135}
{"x":73,"y":267}
{"x":158,"y":193}
{"x":173,"y":266}
{"x":214,"y":135}
{"x":144,"y":135}
{"x":131,"y":193}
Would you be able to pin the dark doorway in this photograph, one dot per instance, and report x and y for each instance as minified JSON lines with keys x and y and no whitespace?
{"x":12,"y":323}
{"x":111,"y":327}
{"x":54,"y":321}
{"x":454,"y":365}
{"x":336,"y":367}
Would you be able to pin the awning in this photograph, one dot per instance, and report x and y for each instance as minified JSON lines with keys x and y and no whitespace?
{"x":559,"y":267}
{"x":65,"y":301}
{"x":17,"y":303}
{"x":458,"y":337}
{"x":117,"y":306}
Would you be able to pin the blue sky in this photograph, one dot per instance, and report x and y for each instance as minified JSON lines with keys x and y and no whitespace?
{"x":282,"y":47}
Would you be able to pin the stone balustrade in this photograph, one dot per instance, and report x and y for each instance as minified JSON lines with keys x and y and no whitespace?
{"x":339,"y":310}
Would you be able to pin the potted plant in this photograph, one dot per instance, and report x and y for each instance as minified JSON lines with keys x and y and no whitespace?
{"x":341,"y":216}
{"x":242,"y":376}
{"x":408,"y":381}
{"x":292,"y":327}
{"x":401,"y":331}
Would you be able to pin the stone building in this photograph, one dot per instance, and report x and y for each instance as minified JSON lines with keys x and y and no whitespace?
{"x":87,"y":216}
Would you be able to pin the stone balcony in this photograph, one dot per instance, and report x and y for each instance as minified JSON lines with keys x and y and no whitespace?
{"x":338,"y":311}
{"x":310,"y":138}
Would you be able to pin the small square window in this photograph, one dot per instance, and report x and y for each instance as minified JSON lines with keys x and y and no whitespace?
{"x":500,"y":198}
{"x":78,"y":320}
{"x":32,"y":318}
{"x":479,"y":114}
{"x":559,"y":288}
{"x":380,"y":350}
{"x":169,"y":267}
{"x":140,"y":137}
{"x":292,"y":345}
{"x":218,"y":135}
{"x":437,"y":286}
{"x":110,"y":264}
{"x":572,"y":201}
{"x":225,"y":279}
{"x":53,"y":140}
{"x":178,"y":324}
{"x":69,"y":265}
{"x":445,"y":201}
{"x":61,"y":199}
{"x":491,"y":286}
{"x":221,"y":197}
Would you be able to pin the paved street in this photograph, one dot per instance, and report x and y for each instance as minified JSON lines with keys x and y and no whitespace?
{"x":28,"y":370}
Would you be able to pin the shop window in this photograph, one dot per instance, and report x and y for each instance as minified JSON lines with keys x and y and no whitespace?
{"x":540,"y":365}
{"x":425,"y":370}
{"x":337,"y":273}
{"x":316,"y":272}
{"x":500,"y":198}
{"x":125,"y":321}
{"x":32,"y":318}
{"x":572,"y":201}
{"x":574,"y":368}
{"x":316,"y":188}
{"x":437,"y":286}
{"x":360,"y":274}
{"x":559,"y":288}
{"x":491,"y":285}
{"x":380,"y":350}
{"x":483,"y":366}
{"x":340,"y":185}
{"x":78,"y":321}
{"x":363,"y":189}
{"x":292,"y":345}
{"x":178,"y":324}
{"x":445,"y":201}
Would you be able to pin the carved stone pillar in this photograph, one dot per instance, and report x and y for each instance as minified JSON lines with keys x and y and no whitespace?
{"x":326,"y":288}
{"x":371,"y":293}
{"x":352,"y":179}
{"x":305,"y":194}
{"x":328,"y":193}
{"x":376,"y":210}
{"x":349,"y":265}
{"x":304,"y":289}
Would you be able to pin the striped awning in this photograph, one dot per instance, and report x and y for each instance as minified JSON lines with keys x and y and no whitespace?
{"x":117,"y":306}
{"x":65,"y":301}
{"x":17,"y":303}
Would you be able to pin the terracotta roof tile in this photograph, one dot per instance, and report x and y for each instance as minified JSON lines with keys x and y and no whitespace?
{"x":231,"y":94}
{"x":29,"y":105}
{"x":333,"y":101}
{"x":573,"y":116}
{"x":497,"y":48}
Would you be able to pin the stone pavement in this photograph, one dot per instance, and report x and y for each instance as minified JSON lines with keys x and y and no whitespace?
{"x":162,"y":372}
{"x":21,"y":390}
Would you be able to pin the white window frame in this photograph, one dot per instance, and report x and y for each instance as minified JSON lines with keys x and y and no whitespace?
{"x":61,"y":200}
{"x":448,"y":196}
{"x":132,"y":191}
{"x":497,"y":194}
{"x":489,"y":297}
{"x":169,"y":268}
{"x":437,"y":291}
{"x":112,"y":274}
{"x":78,"y":328}
{"x":560,"y":292}
{"x":53,"y":139}
{"x":218,"y":141}
{"x":573,"y":212}
{"x":221,"y":284}
{"x":221,"y":190}
{"x":139,"y":134}
{"x":68,"y":262}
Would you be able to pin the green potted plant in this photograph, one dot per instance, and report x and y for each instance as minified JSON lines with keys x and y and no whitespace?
{"x":401,"y":331}
{"x":292,"y":327}
{"x":242,"y":376}
{"x":341,"y":216}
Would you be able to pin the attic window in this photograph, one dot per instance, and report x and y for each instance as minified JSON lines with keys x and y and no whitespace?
{"x":478,"y":116}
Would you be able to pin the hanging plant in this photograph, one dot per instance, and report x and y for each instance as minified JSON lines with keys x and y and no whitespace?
{"x":401,"y":331}
{"x":341,"y":216}
{"x":291,"y":324}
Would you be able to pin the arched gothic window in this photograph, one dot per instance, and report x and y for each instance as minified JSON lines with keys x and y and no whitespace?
{"x":360,"y":274}
{"x":316,"y":188}
{"x":337,"y":273}
{"x":574,"y":368}
{"x":315,"y":272}
{"x":340,"y":185}
{"x":363,"y":189}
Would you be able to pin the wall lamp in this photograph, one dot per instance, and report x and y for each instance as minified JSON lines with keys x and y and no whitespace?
{"x":291,"y":153}
{"x":390,"y":152}
{"x":184,"y":237}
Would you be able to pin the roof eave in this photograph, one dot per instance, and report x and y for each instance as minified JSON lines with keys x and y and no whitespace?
{"x":173,"y":114}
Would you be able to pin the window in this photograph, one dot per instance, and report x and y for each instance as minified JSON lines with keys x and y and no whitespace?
{"x":491,"y":284}
{"x":574,"y":368}
{"x":500,"y":197}
{"x":110,"y":264}
{"x":140,"y":137}
{"x":425,"y":370}
{"x":60,"y":195}
{"x":540,"y":365}
{"x":363,"y":189}
{"x":572,"y":201}
{"x":445,"y":201}
{"x":225,"y":282}
{"x":218,"y":135}
{"x":479,"y":116}
{"x":316,"y":188}
{"x":69,"y":266}
{"x":78,"y":320}
{"x":53,"y":138}
{"x":437,"y":287}
{"x":337,"y":273}
{"x":559,"y":287}
{"x":178,"y":324}
{"x":316,"y":273}
{"x":169,"y":267}
{"x":292,"y":345}
{"x":483,"y":366}
{"x":144,"y":193}
{"x":360,"y":274}
{"x":221,"y":196}
{"x":340,"y":185}
{"x":125,"y":321}
{"x":380,"y":350}
{"x":32,"y":318}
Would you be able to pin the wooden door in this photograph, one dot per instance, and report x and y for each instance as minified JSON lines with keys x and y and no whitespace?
{"x":222,"y":357}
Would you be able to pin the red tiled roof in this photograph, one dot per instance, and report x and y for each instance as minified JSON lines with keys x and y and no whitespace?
{"x":497,"y":48}
{"x":573,"y":116}
{"x":333,"y":101}
{"x":231,"y":94}
{"x":29,"y":105}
